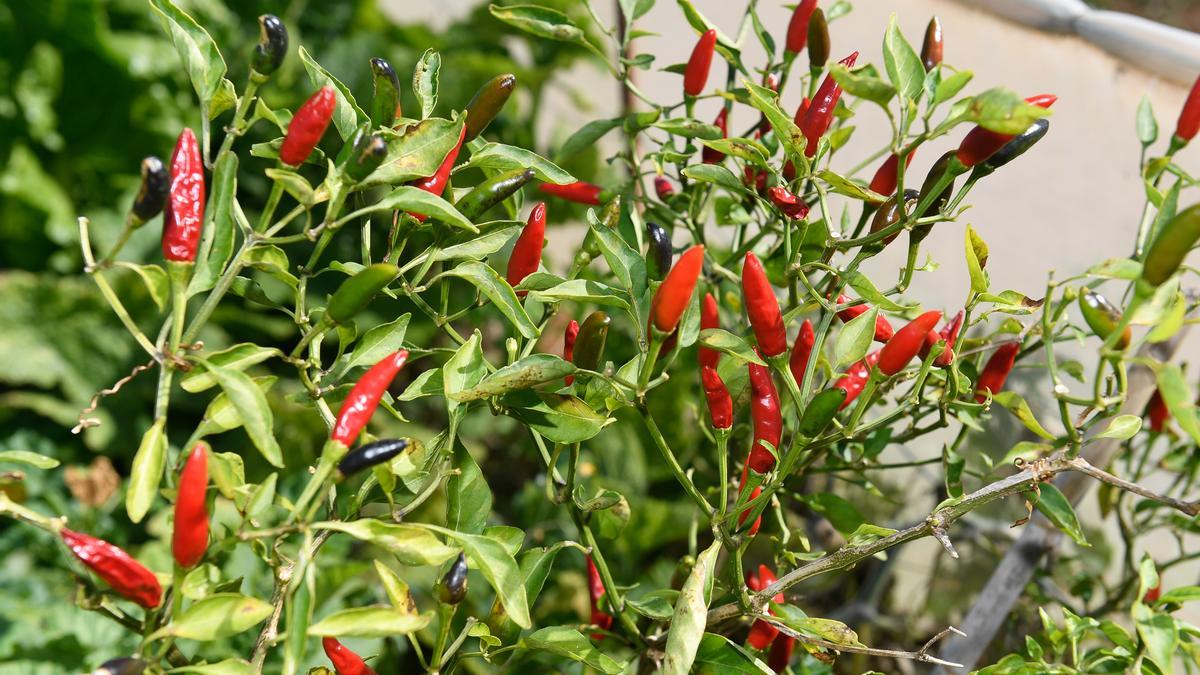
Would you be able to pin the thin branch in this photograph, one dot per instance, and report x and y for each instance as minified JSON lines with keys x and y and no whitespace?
{"x":1083,"y":466}
{"x":922,"y":655}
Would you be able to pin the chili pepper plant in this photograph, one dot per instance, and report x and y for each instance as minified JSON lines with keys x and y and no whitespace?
{"x":478,"y":409}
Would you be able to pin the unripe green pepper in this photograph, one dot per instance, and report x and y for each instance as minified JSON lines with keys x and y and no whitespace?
{"x":366,"y":154}
{"x":589,"y":344}
{"x":272,"y":46}
{"x":385,"y":106}
{"x":1171,"y":246}
{"x":1101,"y":316}
{"x":493,"y":191}
{"x":487,"y":103}
{"x":610,"y":217}
{"x":357,"y":292}
{"x":818,"y":40}
{"x":820,"y":411}
{"x":945,"y":165}
{"x":453,"y":586}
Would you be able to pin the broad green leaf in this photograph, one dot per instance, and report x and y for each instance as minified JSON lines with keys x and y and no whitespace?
{"x":216,"y":617}
{"x":726,"y":47}
{"x":562,"y":419}
{"x":200,"y":56}
{"x":416,"y":151}
{"x":862,"y":85}
{"x":687,"y":624}
{"x":462,"y":371}
{"x":498,"y":567}
{"x":376,"y":344}
{"x":347,"y":116}
{"x":1054,"y":505}
{"x":627,"y":264}
{"x":903,"y":65}
{"x":584,"y":291}
{"x":1117,"y":268}
{"x":504,"y":157}
{"x":949,"y":87}
{"x":1179,"y":399}
{"x":687,"y":127}
{"x":1122,"y":427}
{"x":154,"y":277}
{"x":221,"y":415}
{"x":785,"y":128}
{"x":866,"y":289}
{"x":1160,"y":636}
{"x":540,"y":21}
{"x":376,"y":621}
{"x":570,"y":643}
{"x":844,"y":186}
{"x":425,"y":81}
{"x":1002,"y":111}
{"x":586,"y":137}
{"x":396,"y":588}
{"x":252,"y":407}
{"x":1170,"y":321}
{"x":262,"y":498}
{"x":411,"y":544}
{"x":488,"y":282}
{"x":843,"y":515}
{"x":977,"y":255}
{"x":829,"y":630}
{"x":1180,"y":595}
{"x":728,"y":343}
{"x":294,"y":184}
{"x":480,"y":247}
{"x":717,"y":655}
{"x":415,"y":200}
{"x":468,"y":497}
{"x":228,"y":471}
{"x":30,"y":458}
{"x":1016,"y":405}
{"x":238,"y":357}
{"x":531,"y":371}
{"x":855,"y":338}
{"x":226,"y":667}
{"x":216,"y":243}
{"x":147,"y":471}
{"x":715,"y":174}
{"x":428,"y":383}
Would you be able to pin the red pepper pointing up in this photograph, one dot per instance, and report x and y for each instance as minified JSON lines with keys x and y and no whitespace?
{"x":190,"y":537}
{"x":884,"y":181}
{"x":746,"y":512}
{"x":1189,"y":117}
{"x":855,"y":379}
{"x":797,"y":30}
{"x":792,"y":206}
{"x":763,"y":308}
{"x":819,"y":116}
{"x":569,"y":336}
{"x":675,"y":293}
{"x":762,"y":633}
{"x":663,"y":188}
{"x":307,"y":127}
{"x":949,"y":334}
{"x":695,"y":76}
{"x":527,"y":252}
{"x":766,"y":416}
{"x":801,"y":350}
{"x":980,"y":143}
{"x":345,"y":661}
{"x":183,"y":218}
{"x":436,"y":184}
{"x":126,"y":576}
{"x":906,"y":343}
{"x":364,"y":397}
{"x":1157,"y":412}
{"x":994,"y":374}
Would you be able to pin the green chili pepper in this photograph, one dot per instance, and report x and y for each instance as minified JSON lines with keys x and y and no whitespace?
{"x":818,"y":40}
{"x":366,"y":154}
{"x":820,"y":411}
{"x":1101,"y":316}
{"x":1171,"y":246}
{"x":1012,"y":149}
{"x":493,"y":191}
{"x":357,"y":292}
{"x":589,"y":344}
{"x":487,"y":103}
{"x":940,"y":168}
{"x":385,"y":106}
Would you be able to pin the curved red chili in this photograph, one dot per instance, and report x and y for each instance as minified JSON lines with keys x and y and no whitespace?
{"x":763,"y":308}
{"x":695,"y":76}
{"x":991,"y":379}
{"x":527,"y":252}
{"x":762,"y":633}
{"x":569,"y":336}
{"x":1157,"y":412}
{"x":720,"y":404}
{"x":675,"y":292}
{"x":663,"y":188}
{"x":949,"y":334}
{"x":883,"y":327}
{"x":746,"y":512}
{"x":307,"y":127}
{"x":189,"y":539}
{"x":884,"y":180}
{"x":855,"y":379}
{"x":358,"y":407}
{"x":710,"y":317}
{"x":802,"y":110}
{"x":907,"y":343}
{"x":792,"y":206}
{"x":344,"y":661}
{"x":767,"y":417}
{"x":711,"y":155}
{"x":819,"y":116}
{"x":980,"y":143}
{"x":578,"y":192}
{"x":797,"y":30}
{"x":596,"y":591}
{"x":436,"y":183}
{"x":126,"y":576}
{"x":801,"y":350}
{"x":183,"y":217}
{"x":1189,"y":116}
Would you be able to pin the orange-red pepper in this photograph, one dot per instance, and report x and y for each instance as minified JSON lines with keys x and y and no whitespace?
{"x":360,"y":404}
{"x":118,"y":569}
{"x":190,"y":536}
{"x":980,"y":143}
{"x":763,"y":308}
{"x":695,"y":76}
{"x":907,"y":343}
{"x":802,"y":350}
{"x":991,"y":379}
{"x":307,"y":127}
{"x":527,"y":252}
{"x":675,"y":293}
{"x":183,"y":217}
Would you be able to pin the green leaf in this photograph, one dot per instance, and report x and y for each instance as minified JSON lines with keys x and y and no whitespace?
{"x":726,"y":47}
{"x":480,"y":247}
{"x":262,"y":498}
{"x":1122,"y":427}
{"x":977,"y":255}
{"x":504,"y":157}
{"x":586,"y":137}
{"x":526,"y":373}
{"x":31,"y":458}
{"x":498,"y":567}
{"x":728,"y":343}
{"x":1016,"y":405}
{"x":369,"y":622}
{"x":718,"y":656}
{"x":155,"y":278}
{"x":1116,"y":268}
{"x":416,"y":151}
{"x":584,"y":291}
{"x":866,"y":289}
{"x":686,"y":127}
{"x":1170,"y":321}
{"x":425,"y":81}
{"x":222,"y":416}
{"x":375,"y":344}
{"x":462,"y":371}
{"x":687,"y":624}
{"x":411,"y":544}
{"x":715,"y":174}
{"x":396,"y":588}
{"x":1159,"y":634}
{"x":829,"y":630}
{"x":468,"y":497}
{"x":415,"y":200}
{"x":228,"y":472}
{"x":562,"y":419}
{"x":903,"y":65}
{"x":226,"y":667}
{"x":627,"y":264}
{"x":572,"y":644}
{"x":844,"y":186}
{"x":216,"y":617}
{"x":1179,"y":399}
{"x":1003,"y":112}
{"x":200,"y":56}
{"x":497,"y":290}
{"x":855,"y":338}
{"x":1180,"y":595}
{"x":147,"y":471}
{"x":540,"y":21}
{"x":1054,"y":505}
{"x":785,"y":128}
{"x":862,"y":85}
{"x":1147,"y":126}
{"x":658,"y":605}
{"x":347,"y":116}
{"x":949,"y":87}
{"x":216,"y":243}
{"x":252,"y":407}
{"x":843,"y":515}
{"x":238,"y":357}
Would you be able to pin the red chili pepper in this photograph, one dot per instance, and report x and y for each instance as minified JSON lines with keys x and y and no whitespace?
{"x":801,"y":350}
{"x":1189,"y":117}
{"x":1157,"y":411}
{"x":746,"y":513}
{"x":792,"y":206}
{"x":883,"y":327}
{"x":125,"y":575}
{"x":763,"y":308}
{"x":596,"y":590}
{"x":802,"y":110}
{"x":767,"y":418}
{"x":949,"y":334}
{"x":364,"y":397}
{"x":345,"y":662}
{"x":906,"y":343}
{"x":190,"y":537}
{"x":710,"y":155}
{"x":183,"y":217}
{"x":663,"y":188}
{"x":578,"y":192}
{"x":675,"y":293}
{"x":819,"y":116}
{"x":762,"y":633}
{"x":695,"y":76}
{"x":569,"y":336}
{"x":709,"y":318}
{"x":720,"y":405}
{"x":991,"y":379}
{"x":781,"y":653}
{"x":980,"y":143}
{"x":856,"y":378}
{"x":1153,"y":594}
{"x":797,"y":30}
{"x":755,"y":180}
{"x":527,"y":252}
{"x":884,"y":181}
{"x":307,"y":127}
{"x":436,"y":184}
